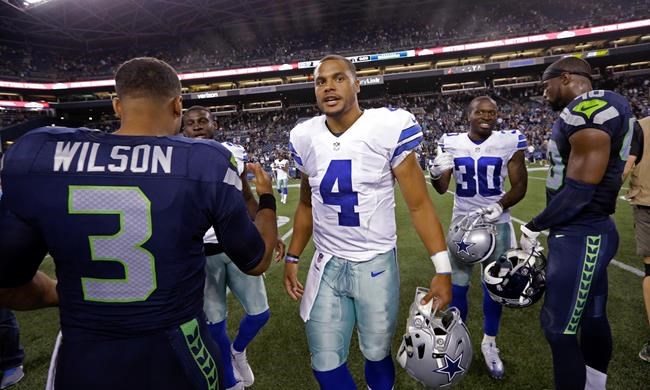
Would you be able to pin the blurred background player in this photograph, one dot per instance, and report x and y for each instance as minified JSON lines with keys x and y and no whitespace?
{"x":123,"y":215}
{"x":639,"y":197}
{"x":480,"y":161}
{"x":589,"y":146}
{"x":349,"y":161}
{"x":11,"y":352}
{"x":221,"y":272}
{"x":281,"y":167}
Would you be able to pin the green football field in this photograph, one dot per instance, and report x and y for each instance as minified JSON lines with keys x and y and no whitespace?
{"x":280,"y":358}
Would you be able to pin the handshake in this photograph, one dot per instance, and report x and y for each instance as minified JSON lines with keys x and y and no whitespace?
{"x":443,"y":162}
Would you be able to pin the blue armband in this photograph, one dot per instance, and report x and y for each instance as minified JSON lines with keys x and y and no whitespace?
{"x":566,"y":204}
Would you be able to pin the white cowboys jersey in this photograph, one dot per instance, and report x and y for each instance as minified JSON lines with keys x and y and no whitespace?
{"x":280,"y":166}
{"x":241,"y":158}
{"x":481,"y":169}
{"x":351,"y":179}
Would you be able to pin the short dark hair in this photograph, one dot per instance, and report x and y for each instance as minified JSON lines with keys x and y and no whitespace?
{"x":199,"y":108}
{"x":476,"y":101}
{"x":147,"y":77}
{"x":336,"y":57}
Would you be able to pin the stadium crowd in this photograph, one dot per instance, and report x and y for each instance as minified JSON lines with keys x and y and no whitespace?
{"x":262,"y":133}
{"x":480,"y":21}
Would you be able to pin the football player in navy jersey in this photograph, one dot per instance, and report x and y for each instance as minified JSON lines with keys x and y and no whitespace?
{"x":588,"y":148}
{"x":222,"y":272}
{"x":123,"y":215}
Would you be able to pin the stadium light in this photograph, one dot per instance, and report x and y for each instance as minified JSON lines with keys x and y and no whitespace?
{"x":33,"y":3}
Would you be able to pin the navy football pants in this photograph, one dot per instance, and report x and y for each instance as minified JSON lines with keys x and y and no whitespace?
{"x":184,"y":357}
{"x":576,"y":298}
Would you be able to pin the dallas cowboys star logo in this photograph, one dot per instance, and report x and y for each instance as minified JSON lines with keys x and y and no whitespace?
{"x":463,"y":246}
{"x":452,"y":367}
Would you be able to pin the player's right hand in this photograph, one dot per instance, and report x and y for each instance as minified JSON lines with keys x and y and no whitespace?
{"x":440,"y":289}
{"x":291,"y":283}
{"x":262,"y":181}
{"x":280,"y":250}
{"x":443,"y":162}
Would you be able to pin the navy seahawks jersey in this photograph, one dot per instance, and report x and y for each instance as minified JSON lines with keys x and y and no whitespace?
{"x":124,"y":218}
{"x":598,"y":109}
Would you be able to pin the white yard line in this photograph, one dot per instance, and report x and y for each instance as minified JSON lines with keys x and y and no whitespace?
{"x":287,"y":234}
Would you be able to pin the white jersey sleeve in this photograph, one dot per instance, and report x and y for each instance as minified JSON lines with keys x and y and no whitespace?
{"x":406,"y":134}
{"x":298,"y":147}
{"x":239,"y":154}
{"x":515,"y":141}
{"x":240,"y":159}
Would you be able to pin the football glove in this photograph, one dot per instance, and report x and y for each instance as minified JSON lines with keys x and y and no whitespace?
{"x":442,"y":163}
{"x":528,"y":241}
{"x":492,"y":212}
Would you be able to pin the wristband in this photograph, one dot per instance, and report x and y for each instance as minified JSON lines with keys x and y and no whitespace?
{"x":441,"y":262}
{"x":291,"y":259}
{"x":267,"y":201}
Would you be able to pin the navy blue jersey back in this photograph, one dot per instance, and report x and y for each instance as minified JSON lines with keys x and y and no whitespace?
{"x":598,"y":109}
{"x":124,"y":219}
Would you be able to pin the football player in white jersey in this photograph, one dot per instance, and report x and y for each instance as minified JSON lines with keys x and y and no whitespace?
{"x":480,"y":161}
{"x":222,"y":272}
{"x":281,"y":165}
{"x":349,"y":160}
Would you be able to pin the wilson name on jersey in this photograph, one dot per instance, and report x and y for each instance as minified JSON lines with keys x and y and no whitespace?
{"x":480,"y":169}
{"x":351,"y":179}
{"x":127,"y":244}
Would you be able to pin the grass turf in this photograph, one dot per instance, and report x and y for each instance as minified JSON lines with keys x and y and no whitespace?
{"x":280,"y":358}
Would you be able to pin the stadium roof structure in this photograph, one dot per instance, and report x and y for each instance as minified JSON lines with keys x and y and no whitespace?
{"x":73,"y":23}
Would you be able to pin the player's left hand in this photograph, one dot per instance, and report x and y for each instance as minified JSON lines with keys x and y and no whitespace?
{"x":262,"y":180}
{"x":528,"y":241}
{"x":280,"y":250}
{"x":440,"y":289}
{"x":492,"y":212}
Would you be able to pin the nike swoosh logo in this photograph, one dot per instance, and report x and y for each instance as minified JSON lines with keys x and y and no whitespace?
{"x":585,"y":107}
{"x":559,"y":235}
{"x":373,"y":274}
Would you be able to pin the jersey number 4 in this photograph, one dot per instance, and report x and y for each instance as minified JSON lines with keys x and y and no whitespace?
{"x":124,"y":247}
{"x":489,"y":176}
{"x":339,"y":176}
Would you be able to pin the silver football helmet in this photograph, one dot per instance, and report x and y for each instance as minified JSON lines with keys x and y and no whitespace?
{"x":517,"y":278}
{"x":471,"y":239}
{"x":436,"y":349}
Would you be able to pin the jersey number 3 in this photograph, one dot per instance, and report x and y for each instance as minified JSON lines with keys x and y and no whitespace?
{"x":124,"y":247}
{"x":339,"y":174}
